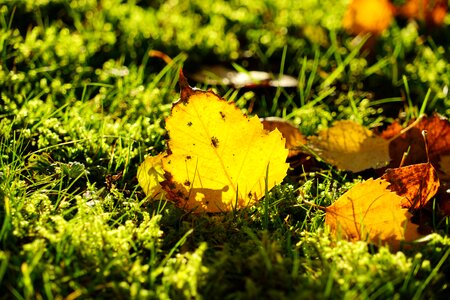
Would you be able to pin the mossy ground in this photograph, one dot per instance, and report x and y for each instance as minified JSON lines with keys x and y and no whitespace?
{"x":82,"y":103}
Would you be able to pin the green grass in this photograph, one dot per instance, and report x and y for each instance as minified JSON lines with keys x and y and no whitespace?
{"x":82,"y":103}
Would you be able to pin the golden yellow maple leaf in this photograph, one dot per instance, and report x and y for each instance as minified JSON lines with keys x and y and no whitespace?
{"x":350,"y":146}
{"x":150,"y":174}
{"x":219,"y":159}
{"x":369,"y":211}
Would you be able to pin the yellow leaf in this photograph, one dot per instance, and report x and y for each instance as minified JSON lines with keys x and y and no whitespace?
{"x":350,"y":146}
{"x":293,"y":136}
{"x":219,"y":158}
{"x":370,"y":211}
{"x":150,"y":174}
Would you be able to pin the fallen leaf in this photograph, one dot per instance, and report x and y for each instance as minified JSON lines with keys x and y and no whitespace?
{"x":368,"y":16}
{"x":417,"y":184}
{"x":432,"y":12}
{"x":219,"y":159}
{"x":150,"y":174}
{"x":370,"y":211}
{"x":350,"y":146}
{"x":217,"y":74}
{"x":438,"y":134}
{"x":411,"y":142}
{"x":438,"y":141}
{"x":294,"y":139}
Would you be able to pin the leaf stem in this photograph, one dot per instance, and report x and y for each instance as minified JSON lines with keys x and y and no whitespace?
{"x":323,"y":208}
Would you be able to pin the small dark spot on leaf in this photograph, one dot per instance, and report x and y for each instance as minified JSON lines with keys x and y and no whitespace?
{"x":222,"y":115}
{"x":188,"y":157}
{"x":250,"y":195}
{"x":187,"y":183}
{"x":189,"y":123}
{"x":215,"y":142}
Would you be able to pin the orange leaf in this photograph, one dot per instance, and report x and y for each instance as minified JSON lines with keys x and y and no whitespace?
{"x":370,"y":211}
{"x":433,"y":12}
{"x":219,"y":159}
{"x":350,"y":146}
{"x":368,"y":16}
{"x":417,"y":184}
{"x":294,"y":139}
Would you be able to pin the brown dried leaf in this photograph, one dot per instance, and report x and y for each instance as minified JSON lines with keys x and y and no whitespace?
{"x":438,"y":139}
{"x":417,"y":184}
